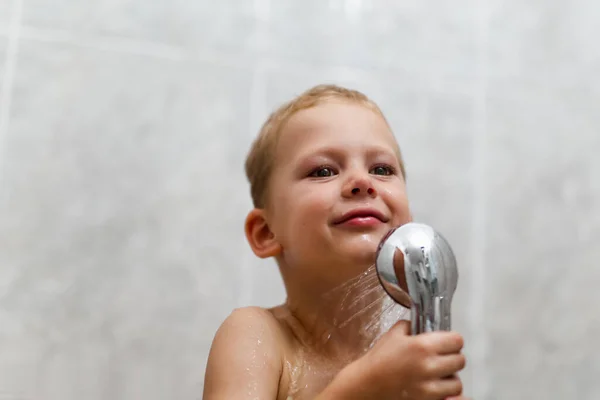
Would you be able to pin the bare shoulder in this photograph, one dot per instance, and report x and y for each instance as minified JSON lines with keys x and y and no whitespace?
{"x":246,"y":356}
{"x":252,"y":320}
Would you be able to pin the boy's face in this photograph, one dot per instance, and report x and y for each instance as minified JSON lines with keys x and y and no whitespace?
{"x":336,"y":189}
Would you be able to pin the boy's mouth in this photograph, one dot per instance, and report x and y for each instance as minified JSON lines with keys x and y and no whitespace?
{"x":361,"y":217}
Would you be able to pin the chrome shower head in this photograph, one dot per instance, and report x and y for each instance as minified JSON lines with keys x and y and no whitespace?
{"x":417,"y":268}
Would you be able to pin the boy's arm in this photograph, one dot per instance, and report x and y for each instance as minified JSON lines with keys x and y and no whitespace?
{"x":245,"y":360}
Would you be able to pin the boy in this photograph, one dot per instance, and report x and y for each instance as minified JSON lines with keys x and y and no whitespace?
{"x":327,"y":183}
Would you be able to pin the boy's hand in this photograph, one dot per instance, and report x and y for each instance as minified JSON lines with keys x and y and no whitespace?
{"x":400,"y":366}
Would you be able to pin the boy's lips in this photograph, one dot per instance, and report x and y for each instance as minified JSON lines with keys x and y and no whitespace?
{"x":361,"y":216}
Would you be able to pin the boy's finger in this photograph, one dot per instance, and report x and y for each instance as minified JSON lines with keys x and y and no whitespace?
{"x":448,"y":365}
{"x":444,"y":342}
{"x":445,"y":387}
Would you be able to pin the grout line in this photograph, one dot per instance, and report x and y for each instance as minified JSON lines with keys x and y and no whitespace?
{"x":258,"y":98}
{"x":119,"y":44}
{"x":105,"y":43}
{"x":478,"y":233}
{"x":257,"y":110}
{"x":8,"y":77}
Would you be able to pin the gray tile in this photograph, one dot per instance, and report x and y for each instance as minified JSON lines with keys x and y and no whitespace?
{"x":267,"y":289}
{"x":120,"y":221}
{"x":3,"y":45}
{"x":542,"y":226}
{"x":386,"y":34}
{"x":433,"y":122}
{"x":227,"y":26}
{"x":543,"y":40}
{"x":543,"y":196}
{"x":5,"y":13}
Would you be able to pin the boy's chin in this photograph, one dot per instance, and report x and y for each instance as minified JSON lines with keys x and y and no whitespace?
{"x":367,"y":242}
{"x":360,"y":252}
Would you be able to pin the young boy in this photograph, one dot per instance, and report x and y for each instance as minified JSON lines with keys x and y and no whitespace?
{"x":327,"y":183}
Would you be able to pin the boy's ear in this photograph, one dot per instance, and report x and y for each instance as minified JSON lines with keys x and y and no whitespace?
{"x":259,"y":235}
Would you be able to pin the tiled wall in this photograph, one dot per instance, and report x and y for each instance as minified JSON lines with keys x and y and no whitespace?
{"x":123,"y":128}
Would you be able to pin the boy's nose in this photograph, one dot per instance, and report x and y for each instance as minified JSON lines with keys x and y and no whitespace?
{"x":359,"y":188}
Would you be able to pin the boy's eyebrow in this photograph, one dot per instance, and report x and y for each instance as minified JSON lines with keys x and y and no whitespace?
{"x":323,"y":151}
{"x":378,"y":150}
{"x":336,"y":152}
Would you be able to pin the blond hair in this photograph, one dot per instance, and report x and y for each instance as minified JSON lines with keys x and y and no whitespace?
{"x":260,"y":160}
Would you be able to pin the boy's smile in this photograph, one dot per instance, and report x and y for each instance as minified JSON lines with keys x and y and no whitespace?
{"x":336,"y":190}
{"x":361,"y":217}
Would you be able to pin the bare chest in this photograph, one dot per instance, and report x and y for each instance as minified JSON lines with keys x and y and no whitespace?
{"x":308,"y":377}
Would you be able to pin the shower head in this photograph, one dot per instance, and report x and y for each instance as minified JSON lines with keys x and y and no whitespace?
{"x":417,"y":268}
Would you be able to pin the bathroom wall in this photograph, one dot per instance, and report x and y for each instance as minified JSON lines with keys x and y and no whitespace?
{"x":123,"y":128}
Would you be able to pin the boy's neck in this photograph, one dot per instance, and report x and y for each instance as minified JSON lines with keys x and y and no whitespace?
{"x":341,"y":321}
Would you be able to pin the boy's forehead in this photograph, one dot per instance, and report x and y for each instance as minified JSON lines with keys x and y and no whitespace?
{"x":334,"y":122}
{"x":336,"y":113}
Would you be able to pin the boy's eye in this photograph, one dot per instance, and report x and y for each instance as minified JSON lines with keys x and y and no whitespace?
{"x":382,"y":170}
{"x":322,"y":172}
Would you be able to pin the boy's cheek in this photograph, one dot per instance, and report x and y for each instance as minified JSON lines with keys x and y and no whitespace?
{"x":401,"y":219}
{"x":307,"y":204}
